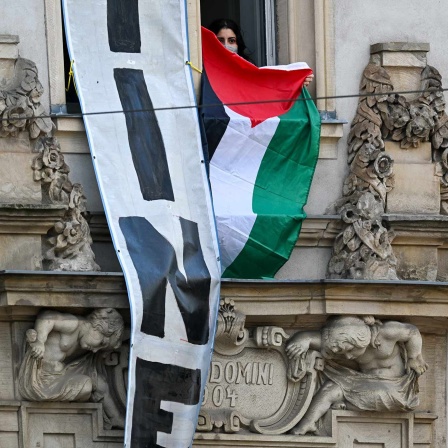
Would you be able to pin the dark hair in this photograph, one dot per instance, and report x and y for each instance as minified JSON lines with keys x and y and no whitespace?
{"x":217,"y":25}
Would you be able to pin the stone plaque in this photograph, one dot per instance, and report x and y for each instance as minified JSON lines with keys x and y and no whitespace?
{"x":248,"y":385}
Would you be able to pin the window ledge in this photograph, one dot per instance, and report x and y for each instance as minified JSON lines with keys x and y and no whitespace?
{"x":331,"y":131}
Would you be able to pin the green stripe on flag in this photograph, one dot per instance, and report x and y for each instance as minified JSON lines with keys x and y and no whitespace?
{"x":281,"y":190}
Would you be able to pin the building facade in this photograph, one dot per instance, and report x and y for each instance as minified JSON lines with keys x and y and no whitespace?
{"x":374,"y":244}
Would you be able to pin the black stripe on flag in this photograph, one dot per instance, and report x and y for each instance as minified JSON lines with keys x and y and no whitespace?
{"x":156,"y":264}
{"x":123,"y":26}
{"x":214,"y":118}
{"x":144,"y":135}
{"x":154,"y":383}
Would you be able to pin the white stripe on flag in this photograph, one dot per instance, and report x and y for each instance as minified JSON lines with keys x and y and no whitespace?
{"x":233,"y":171}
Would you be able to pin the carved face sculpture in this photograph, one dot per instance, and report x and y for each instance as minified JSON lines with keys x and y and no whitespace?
{"x":93,"y":340}
{"x":104,"y":330}
{"x":345,"y":337}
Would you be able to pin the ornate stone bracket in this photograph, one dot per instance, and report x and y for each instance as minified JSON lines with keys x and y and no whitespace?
{"x":363,"y":248}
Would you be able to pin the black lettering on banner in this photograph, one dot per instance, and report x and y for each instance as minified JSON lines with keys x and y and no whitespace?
{"x":144,"y":135}
{"x":154,"y":383}
{"x":123,"y":26}
{"x":155,"y":261}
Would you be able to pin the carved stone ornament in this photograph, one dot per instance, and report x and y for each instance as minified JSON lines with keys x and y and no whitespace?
{"x":363,"y":248}
{"x":21,"y":112}
{"x":74,"y":358}
{"x":69,"y":240}
{"x":279,"y":384}
{"x":248,"y":386}
{"x":20,"y":107}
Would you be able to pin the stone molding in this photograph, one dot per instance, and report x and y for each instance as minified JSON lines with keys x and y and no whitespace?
{"x":275,"y":303}
{"x":99,"y":437}
{"x":23,"y":293}
{"x":35,"y":219}
{"x":414,"y":430}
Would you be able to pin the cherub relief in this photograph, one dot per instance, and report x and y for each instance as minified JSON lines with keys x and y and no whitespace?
{"x":62,"y":363}
{"x":369,"y":365}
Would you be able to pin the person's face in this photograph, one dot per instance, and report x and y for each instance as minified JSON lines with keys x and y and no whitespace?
{"x":228,"y":38}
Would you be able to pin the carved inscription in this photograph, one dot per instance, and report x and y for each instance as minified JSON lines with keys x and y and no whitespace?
{"x":236,"y":372}
{"x":223,"y":375}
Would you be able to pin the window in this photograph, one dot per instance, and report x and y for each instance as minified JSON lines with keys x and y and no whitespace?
{"x":256,"y":19}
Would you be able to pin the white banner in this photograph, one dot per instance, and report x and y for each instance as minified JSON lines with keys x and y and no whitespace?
{"x":129,"y":55}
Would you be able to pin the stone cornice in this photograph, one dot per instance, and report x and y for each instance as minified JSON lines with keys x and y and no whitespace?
{"x":298,"y":303}
{"x":29,"y":218}
{"x":289,"y":303}
{"x":24,"y":292}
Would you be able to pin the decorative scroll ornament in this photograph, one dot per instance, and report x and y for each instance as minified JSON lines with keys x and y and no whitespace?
{"x":256,"y":366}
{"x":70,"y":241}
{"x":363,"y":248}
{"x":20,"y":107}
{"x":230,"y":332}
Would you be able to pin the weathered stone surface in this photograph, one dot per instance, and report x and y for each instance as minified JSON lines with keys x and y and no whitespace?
{"x":9,"y":424}
{"x":21,"y":143}
{"x":20,"y":252}
{"x":417,"y":262}
{"x":403,"y":59}
{"x":400,"y":46}
{"x":67,"y":425}
{"x":406,"y":80}
{"x":442,"y":267}
{"x":35,"y":290}
{"x":17,"y":184}
{"x":379,"y":430}
{"x":421,"y":154}
{"x":417,"y":190}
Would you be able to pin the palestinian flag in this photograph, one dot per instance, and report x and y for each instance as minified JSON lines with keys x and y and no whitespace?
{"x":262,"y":157}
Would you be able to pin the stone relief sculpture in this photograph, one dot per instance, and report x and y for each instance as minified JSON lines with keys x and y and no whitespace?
{"x":363,"y":248}
{"x":369,"y":365}
{"x":21,"y":111}
{"x":66,"y":359}
{"x":20,"y":106}
{"x":354,"y":363}
{"x":69,"y":239}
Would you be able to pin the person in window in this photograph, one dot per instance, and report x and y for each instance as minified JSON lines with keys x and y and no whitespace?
{"x":229,"y":34}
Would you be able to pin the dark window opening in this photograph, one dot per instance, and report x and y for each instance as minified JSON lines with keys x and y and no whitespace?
{"x":250,"y":15}
{"x":71,"y":97}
